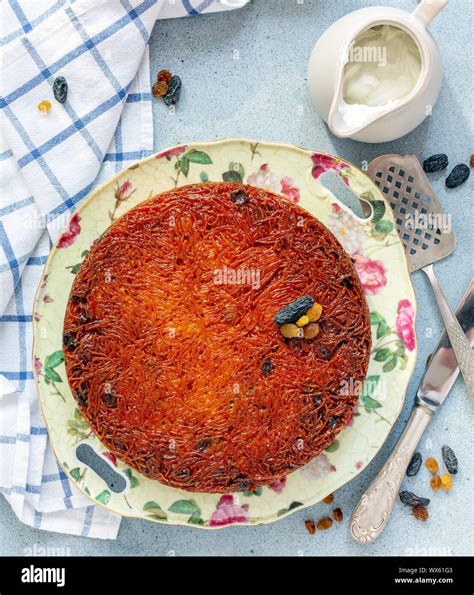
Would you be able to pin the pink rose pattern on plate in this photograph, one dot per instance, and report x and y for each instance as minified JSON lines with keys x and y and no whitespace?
{"x":323,"y":163}
{"x":268,"y":181}
{"x":228,"y":512}
{"x":69,"y":236}
{"x":371,"y":274}
{"x":405,"y":324}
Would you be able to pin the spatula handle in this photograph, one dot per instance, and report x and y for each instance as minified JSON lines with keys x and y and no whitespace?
{"x":458,"y":339}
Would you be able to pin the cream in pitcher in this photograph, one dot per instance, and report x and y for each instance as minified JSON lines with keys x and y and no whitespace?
{"x":375,"y":74}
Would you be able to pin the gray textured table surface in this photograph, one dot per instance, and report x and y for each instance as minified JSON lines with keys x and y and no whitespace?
{"x":263,"y":95}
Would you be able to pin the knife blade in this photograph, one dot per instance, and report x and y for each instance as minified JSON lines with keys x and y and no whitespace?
{"x":442,"y":368}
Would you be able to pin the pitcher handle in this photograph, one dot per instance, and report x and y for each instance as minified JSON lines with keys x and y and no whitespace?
{"x":428,"y":9}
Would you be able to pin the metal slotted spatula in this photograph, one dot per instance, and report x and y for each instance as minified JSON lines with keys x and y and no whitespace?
{"x":426,"y":234}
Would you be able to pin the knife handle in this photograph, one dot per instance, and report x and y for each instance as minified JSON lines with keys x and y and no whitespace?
{"x":373,"y":511}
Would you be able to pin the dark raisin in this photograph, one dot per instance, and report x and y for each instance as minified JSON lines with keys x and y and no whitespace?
{"x":60,"y":89}
{"x":241,"y":483}
{"x":267,"y":368}
{"x":203,"y":444}
{"x":435,"y":163}
{"x":82,"y":396}
{"x":323,"y":352}
{"x":414,"y":465}
{"x":174,"y":91}
{"x":69,"y":342}
{"x":410,"y":499}
{"x":118,"y":443}
{"x":84,"y":317}
{"x":450,"y":459}
{"x":333,"y":422}
{"x":317,"y":399}
{"x":347,"y":282}
{"x":109,"y":398}
{"x":294,"y":310}
{"x":458,"y":176}
{"x":183,"y":473}
{"x":78,"y":299}
{"x":239,"y":196}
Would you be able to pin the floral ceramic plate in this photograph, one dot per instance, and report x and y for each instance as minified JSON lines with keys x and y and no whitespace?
{"x":379,"y":260}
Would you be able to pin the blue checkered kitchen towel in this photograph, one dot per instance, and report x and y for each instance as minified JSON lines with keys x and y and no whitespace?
{"x":48,"y":164}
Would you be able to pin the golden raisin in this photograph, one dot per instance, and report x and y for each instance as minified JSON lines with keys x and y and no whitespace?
{"x":435,"y":482}
{"x":420,"y":513}
{"x":164,"y":75}
{"x":431,"y":465}
{"x":44,"y":106}
{"x":159,"y":89}
{"x":310,"y":526}
{"x":329,"y":499}
{"x":324,"y":523}
{"x":337,"y":514}
{"x":311,"y":330}
{"x":446,"y":482}
{"x":471,"y":161}
{"x":290,"y":331}
{"x":303,"y":321}
{"x":314,"y":313}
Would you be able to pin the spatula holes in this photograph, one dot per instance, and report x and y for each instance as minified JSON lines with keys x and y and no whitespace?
{"x":379,"y":174}
{"x":418,"y":232}
{"x":402,"y":210}
{"x":404,"y":199}
{"x":436,"y":241}
{"x":424,"y":246}
{"x":392,"y":204}
{"x":399,"y":222}
{"x":412,"y":251}
{"x":391,"y":169}
{"x":398,"y":185}
{"x":342,"y":192}
{"x":414,"y":205}
{"x":428,"y":236}
{"x":423,"y":211}
{"x":411,"y":179}
{"x":408,"y":189}
{"x":417,"y":195}
{"x":401,"y":173}
{"x":416,"y":241}
{"x":389,"y":178}
{"x":406,"y":237}
{"x":395,"y":194}
{"x":385,"y":190}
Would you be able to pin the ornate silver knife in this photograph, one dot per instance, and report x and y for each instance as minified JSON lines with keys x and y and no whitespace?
{"x":373,"y":511}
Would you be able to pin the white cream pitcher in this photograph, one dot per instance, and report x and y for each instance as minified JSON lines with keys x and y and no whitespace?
{"x":375,"y":74}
